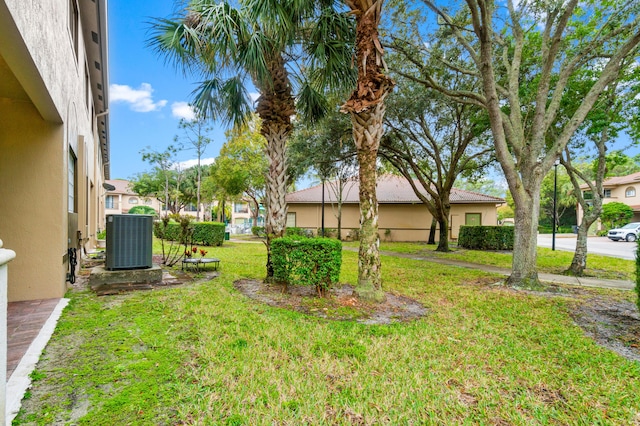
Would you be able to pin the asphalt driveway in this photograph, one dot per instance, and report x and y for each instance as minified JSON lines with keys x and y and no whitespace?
{"x":595,"y":245}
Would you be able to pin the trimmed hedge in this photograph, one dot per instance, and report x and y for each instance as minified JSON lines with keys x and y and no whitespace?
{"x":297,"y":232}
{"x":307,"y":261}
{"x":486,"y":237}
{"x":258,"y":231}
{"x":206,"y":233}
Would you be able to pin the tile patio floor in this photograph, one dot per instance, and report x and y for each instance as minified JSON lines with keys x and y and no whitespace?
{"x":24,"y":322}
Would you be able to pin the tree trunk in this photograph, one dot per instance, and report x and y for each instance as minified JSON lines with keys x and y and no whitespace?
{"x":579,"y":262}
{"x":443,"y":244}
{"x":524,"y":270}
{"x":275,"y":108}
{"x":369,"y":275}
{"x":432,"y":232}
{"x":367,"y":131}
{"x":366,"y":107}
{"x":276,"y":214}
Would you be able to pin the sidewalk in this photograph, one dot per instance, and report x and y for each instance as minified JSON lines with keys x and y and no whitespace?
{"x":552,"y":278}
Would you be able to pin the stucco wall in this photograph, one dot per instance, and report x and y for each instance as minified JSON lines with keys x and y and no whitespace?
{"x":618,"y":194}
{"x":32,"y":201}
{"x":43,"y":30}
{"x":405,"y":222}
{"x":44,"y":114}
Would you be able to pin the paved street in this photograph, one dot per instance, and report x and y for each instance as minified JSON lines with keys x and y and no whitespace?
{"x":595,"y":245}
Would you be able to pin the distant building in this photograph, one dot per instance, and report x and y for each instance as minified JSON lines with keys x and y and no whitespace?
{"x":623,"y":189}
{"x":54,"y":137}
{"x":402,"y":216}
{"x":121,"y":199}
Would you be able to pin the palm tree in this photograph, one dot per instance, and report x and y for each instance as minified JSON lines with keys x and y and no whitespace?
{"x":240,"y":44}
{"x":366,"y":107}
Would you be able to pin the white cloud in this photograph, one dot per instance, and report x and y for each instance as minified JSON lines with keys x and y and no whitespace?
{"x":182,"y":165}
{"x":183,"y":110}
{"x":140,"y":99}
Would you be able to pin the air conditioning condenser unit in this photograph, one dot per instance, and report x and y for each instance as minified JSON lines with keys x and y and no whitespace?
{"x":129,"y":241}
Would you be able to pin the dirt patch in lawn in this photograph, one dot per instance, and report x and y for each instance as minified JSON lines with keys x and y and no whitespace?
{"x":612,"y":324}
{"x":340,"y":303}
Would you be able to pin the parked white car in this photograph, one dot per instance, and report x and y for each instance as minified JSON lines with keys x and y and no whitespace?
{"x":629,"y":232}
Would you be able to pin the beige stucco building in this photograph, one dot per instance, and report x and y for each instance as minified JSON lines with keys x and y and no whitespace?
{"x":402,"y":216}
{"x":623,"y":189}
{"x":121,"y":199}
{"x":54,"y":137}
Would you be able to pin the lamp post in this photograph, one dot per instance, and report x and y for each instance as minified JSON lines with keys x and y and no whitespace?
{"x":555,"y":195}
{"x":323,"y":207}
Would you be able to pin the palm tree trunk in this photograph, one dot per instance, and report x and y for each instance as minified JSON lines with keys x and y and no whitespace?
{"x":367,"y":131}
{"x":276,"y":214}
{"x":366,"y":107}
{"x":275,"y":108}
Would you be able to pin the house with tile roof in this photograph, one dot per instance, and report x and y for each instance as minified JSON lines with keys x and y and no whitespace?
{"x":623,"y":189}
{"x":121,"y":199}
{"x":402,"y":216}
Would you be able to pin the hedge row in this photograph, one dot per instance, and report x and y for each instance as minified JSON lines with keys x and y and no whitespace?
{"x":206,"y":233}
{"x":307,"y":261}
{"x":486,"y":237}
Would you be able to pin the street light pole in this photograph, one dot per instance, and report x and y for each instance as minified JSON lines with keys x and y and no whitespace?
{"x":322,"y":207}
{"x":555,"y":195}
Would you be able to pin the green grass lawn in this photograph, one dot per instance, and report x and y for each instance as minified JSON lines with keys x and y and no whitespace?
{"x":551,"y":261}
{"x":206,"y":354}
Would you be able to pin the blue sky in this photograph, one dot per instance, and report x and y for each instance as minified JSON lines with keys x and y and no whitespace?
{"x":147,"y":96}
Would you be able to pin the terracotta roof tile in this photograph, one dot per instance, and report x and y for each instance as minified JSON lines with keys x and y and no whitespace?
{"x":618,"y":180}
{"x":390,"y":190}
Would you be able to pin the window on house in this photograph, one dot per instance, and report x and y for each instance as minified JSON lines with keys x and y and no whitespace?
{"x":74,"y":23}
{"x":291,"y":220}
{"x":240,"y":208}
{"x":147,"y":202}
{"x":110,"y":202}
{"x":190,"y":208}
{"x":133,"y":200}
{"x":607,"y":193}
{"x":71,"y":177}
{"x":472,"y":219}
{"x":630,"y":192}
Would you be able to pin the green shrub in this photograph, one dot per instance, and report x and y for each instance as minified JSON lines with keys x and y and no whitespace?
{"x":297,"y":232}
{"x":328,"y":232}
{"x":208,"y":233}
{"x":143,"y":210}
{"x":486,"y":237}
{"x":258,"y":231}
{"x":307,"y":261}
{"x":102,"y":235}
{"x":167,"y":231}
{"x":638,"y":273}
